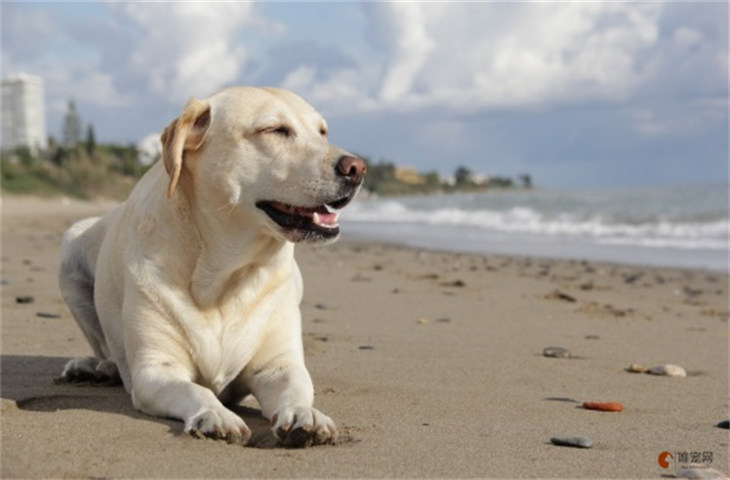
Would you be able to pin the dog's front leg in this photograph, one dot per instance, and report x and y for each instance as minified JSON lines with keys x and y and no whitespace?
{"x":165,"y":389}
{"x":284,"y":389}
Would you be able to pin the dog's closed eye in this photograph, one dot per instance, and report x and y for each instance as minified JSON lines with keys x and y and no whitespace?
{"x":282,"y":130}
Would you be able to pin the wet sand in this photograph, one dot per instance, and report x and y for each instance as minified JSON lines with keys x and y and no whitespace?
{"x":431,"y":363}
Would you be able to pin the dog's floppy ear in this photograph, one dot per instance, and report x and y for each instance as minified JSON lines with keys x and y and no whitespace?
{"x":185,"y":133}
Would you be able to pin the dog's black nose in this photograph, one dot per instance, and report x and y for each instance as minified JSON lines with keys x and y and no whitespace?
{"x":352,"y":168}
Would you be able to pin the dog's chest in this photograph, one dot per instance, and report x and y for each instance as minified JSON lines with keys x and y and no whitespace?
{"x":224,"y":344}
{"x":228,"y":334}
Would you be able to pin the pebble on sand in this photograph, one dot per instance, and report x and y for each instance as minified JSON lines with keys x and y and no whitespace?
{"x":556,"y":352}
{"x":24,"y":299}
{"x":577,"y":442}
{"x":637,"y":368}
{"x":724,"y":424}
{"x":558,"y":295}
{"x":668,"y":370}
{"x":604,"y":406}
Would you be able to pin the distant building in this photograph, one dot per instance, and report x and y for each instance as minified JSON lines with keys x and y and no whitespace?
{"x":23,"y":113}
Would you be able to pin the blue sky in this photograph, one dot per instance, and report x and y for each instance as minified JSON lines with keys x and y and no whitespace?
{"x":576,"y":94}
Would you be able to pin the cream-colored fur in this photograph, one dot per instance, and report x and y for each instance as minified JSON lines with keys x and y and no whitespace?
{"x":189,"y":292}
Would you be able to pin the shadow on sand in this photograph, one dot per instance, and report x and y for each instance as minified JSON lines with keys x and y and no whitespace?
{"x":29,"y":382}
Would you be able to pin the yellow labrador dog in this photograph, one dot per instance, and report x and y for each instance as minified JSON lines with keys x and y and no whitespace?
{"x":188,"y":292}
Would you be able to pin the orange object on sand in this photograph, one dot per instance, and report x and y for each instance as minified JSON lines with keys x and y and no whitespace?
{"x":604,"y":406}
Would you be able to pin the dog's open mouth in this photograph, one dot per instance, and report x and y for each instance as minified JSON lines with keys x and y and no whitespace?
{"x":318,"y":222}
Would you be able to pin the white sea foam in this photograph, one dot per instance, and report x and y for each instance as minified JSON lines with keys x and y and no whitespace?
{"x":650,"y":221}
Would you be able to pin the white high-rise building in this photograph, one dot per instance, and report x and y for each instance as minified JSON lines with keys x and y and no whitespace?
{"x":23,"y":112}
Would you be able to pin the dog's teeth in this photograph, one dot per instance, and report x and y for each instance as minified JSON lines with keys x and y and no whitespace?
{"x":330,"y":209}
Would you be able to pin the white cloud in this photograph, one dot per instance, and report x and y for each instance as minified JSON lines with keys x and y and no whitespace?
{"x":474,"y":56}
{"x":687,"y":37}
{"x":412,"y":46}
{"x":187,"y":48}
{"x":131,"y":65}
{"x":150,"y":148}
{"x":301,"y":78}
{"x":506,"y":55}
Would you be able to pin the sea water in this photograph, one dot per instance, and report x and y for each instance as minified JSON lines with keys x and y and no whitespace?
{"x":679,"y":226}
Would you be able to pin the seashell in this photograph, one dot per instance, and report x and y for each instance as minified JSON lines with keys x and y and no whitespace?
{"x":668,"y":370}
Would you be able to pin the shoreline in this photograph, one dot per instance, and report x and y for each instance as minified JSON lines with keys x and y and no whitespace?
{"x":430,"y":362}
{"x":355,"y":232}
{"x":668,"y":226}
{"x":534,"y":248}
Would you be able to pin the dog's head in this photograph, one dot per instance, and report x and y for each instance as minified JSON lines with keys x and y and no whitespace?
{"x":261,"y":155}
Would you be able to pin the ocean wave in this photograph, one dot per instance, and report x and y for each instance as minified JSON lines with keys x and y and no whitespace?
{"x":595,"y":227}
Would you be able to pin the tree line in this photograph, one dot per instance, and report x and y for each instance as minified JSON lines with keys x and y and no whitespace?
{"x":79,"y":166}
{"x":387,"y":178}
{"x":76,"y":165}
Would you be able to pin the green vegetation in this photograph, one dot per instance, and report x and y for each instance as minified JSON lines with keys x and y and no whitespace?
{"x":90,"y":170}
{"x":74,"y":166}
{"x":85,"y":170}
{"x":386,"y":178}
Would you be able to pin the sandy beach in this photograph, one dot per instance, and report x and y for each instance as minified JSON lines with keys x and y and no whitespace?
{"x":431,"y":364}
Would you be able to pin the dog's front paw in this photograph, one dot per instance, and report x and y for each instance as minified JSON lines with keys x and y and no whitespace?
{"x":90,"y":370}
{"x":220,"y":424}
{"x":302,"y":427}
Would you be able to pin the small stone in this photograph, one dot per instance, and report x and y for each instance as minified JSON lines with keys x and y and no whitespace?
{"x":668,"y":370}
{"x":47,"y":315}
{"x":422,"y":321}
{"x":321,"y":306}
{"x":558,"y":295}
{"x":637,"y":368}
{"x":24,"y":299}
{"x":724,"y":424}
{"x":443,"y":320}
{"x":604,"y":406}
{"x":592,"y":337}
{"x":556,"y":352}
{"x":366,"y":347}
{"x":578,"y":442}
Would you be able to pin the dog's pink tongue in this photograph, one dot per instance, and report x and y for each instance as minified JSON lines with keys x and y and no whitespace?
{"x":329,"y":219}
{"x":325,"y":218}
